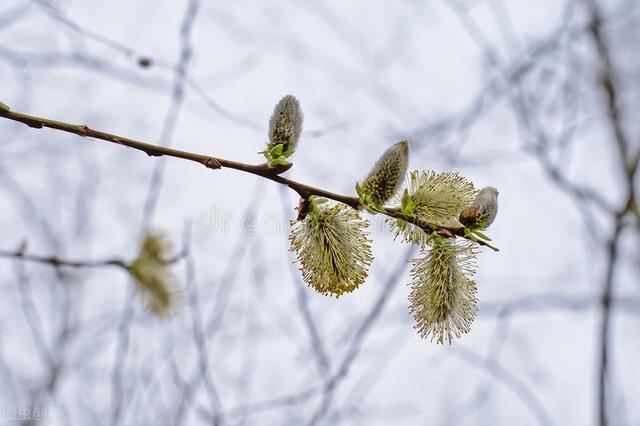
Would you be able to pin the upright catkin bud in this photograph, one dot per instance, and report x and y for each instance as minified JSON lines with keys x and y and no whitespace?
{"x":482,"y":211}
{"x":434,"y":198}
{"x":154,"y":281}
{"x":385,"y":178}
{"x":285,"y":126}
{"x":333,"y":248}
{"x":443,"y":295}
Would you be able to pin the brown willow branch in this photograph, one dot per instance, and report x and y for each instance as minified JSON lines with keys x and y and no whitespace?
{"x":57,"y":262}
{"x":262,"y":170}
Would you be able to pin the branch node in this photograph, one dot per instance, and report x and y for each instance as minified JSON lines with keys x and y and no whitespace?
{"x":22,"y":249}
{"x":212,"y":163}
{"x":280,"y":168}
{"x":83,"y":130}
{"x":303,"y":208}
{"x":276,"y":169}
{"x":443,"y":232}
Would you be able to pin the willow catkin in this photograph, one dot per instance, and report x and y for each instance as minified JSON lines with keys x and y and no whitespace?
{"x":285,"y":125}
{"x":443,"y":295}
{"x":434,"y":198}
{"x":387,"y":174}
{"x":333,"y":248}
{"x":154,"y":281}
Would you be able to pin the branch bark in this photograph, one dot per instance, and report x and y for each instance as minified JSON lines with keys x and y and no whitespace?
{"x":263,"y":170}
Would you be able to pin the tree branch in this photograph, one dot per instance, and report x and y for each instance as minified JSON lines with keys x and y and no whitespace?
{"x":57,"y":262}
{"x":262,"y":170}
{"x":629,"y":166}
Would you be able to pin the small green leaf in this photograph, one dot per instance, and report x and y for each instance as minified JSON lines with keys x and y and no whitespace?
{"x":274,"y":156}
{"x":366,"y":201}
{"x":316,"y":201}
{"x":276,"y":151}
{"x":407,"y":203}
{"x":289,"y":151}
{"x":277,"y":161}
{"x":437,"y":239}
{"x":481,"y":235}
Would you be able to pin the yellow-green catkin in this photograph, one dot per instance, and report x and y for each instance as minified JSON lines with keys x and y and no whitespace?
{"x":433,"y":198}
{"x":443,"y":294}
{"x":387,"y":174}
{"x":154,"y":281}
{"x":333,"y":247}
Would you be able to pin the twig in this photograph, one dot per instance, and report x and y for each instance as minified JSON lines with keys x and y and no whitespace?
{"x":197,"y":328}
{"x":629,"y":167}
{"x":56,"y":261}
{"x":263,"y":170}
{"x":175,"y":108}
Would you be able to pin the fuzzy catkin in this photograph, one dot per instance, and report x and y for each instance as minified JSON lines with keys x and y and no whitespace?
{"x":387,"y":174}
{"x":285,"y":125}
{"x":436,"y":198}
{"x":443,"y":295}
{"x":154,"y":281}
{"x":333,"y":248}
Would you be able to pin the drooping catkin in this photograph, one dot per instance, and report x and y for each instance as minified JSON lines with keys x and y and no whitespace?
{"x":443,"y":294}
{"x":154,"y":281}
{"x":333,"y":247}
